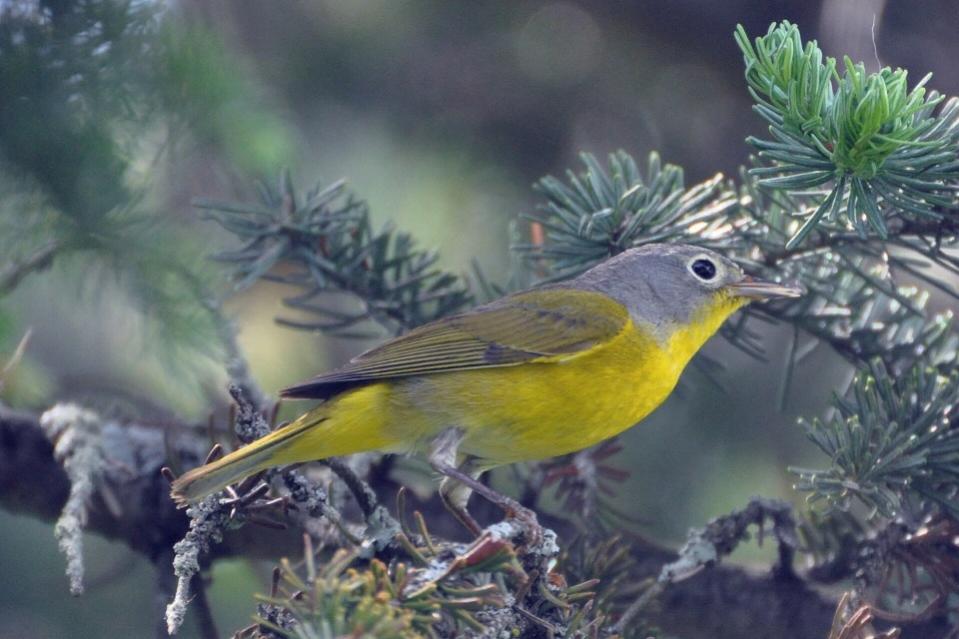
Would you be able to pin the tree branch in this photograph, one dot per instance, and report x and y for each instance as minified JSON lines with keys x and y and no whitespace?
{"x":33,"y":483}
{"x":40,"y":259}
{"x":720,"y":602}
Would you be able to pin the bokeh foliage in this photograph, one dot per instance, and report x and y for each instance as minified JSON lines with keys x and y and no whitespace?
{"x":95,"y":93}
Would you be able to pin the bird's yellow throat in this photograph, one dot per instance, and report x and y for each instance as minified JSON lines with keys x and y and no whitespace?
{"x":684,"y":341}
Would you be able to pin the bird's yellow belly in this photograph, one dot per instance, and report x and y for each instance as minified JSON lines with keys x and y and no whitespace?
{"x":539,"y":410}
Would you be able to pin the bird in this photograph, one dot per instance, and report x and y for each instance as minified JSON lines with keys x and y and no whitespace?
{"x":535,"y":374}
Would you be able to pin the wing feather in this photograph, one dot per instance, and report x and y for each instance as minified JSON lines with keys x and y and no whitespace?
{"x":541,"y":325}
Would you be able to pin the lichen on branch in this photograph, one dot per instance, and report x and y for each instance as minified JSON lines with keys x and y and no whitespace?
{"x":75,"y":433}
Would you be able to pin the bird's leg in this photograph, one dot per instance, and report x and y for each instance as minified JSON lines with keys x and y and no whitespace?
{"x":443,"y":455}
{"x":455,"y":496}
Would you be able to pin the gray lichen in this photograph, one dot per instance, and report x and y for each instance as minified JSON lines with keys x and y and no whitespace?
{"x":250,"y":424}
{"x":698,"y":552}
{"x":208,"y":520}
{"x":76,"y":436}
{"x":500,"y":623}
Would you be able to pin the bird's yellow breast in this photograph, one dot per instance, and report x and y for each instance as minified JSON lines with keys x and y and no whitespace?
{"x":553,"y":407}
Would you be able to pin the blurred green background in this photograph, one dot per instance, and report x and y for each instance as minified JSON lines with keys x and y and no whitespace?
{"x":441,"y":115}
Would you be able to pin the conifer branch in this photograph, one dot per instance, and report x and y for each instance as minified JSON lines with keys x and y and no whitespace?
{"x":852,"y":194}
{"x":38,"y":260}
{"x":882,"y":149}
{"x":323,"y":242}
{"x":893,"y":444}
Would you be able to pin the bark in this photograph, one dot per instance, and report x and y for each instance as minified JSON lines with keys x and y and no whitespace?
{"x":33,"y":483}
{"x":719,"y":602}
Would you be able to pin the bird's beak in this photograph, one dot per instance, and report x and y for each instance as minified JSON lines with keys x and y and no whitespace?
{"x":754,"y":289}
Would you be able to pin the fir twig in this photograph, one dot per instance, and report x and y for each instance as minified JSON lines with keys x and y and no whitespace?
{"x":325,"y":241}
{"x":38,"y":260}
{"x":892,"y":442}
{"x":704,"y":547}
{"x":879,"y":148}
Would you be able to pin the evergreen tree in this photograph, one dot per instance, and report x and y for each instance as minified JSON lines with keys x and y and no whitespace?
{"x":851,"y":193}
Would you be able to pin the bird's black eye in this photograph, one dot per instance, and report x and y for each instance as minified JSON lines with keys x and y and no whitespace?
{"x":704,"y":269}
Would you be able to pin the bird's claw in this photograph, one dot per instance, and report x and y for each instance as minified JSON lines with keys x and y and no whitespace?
{"x":528,"y":523}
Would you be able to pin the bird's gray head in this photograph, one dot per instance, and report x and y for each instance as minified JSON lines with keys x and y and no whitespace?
{"x":666,"y":285}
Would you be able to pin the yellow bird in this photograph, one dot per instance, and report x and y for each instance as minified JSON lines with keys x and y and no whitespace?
{"x":532,"y":375}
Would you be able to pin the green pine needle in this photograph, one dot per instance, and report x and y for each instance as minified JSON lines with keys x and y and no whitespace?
{"x":879,"y":149}
{"x":326,"y":242}
{"x":893,"y":442}
{"x":606,"y":210}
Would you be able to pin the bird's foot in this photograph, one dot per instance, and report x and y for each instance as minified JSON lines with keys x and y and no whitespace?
{"x":461,"y":514}
{"x":530,"y":530}
{"x":533,"y":533}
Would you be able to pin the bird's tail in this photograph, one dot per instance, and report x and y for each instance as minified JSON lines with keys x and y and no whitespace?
{"x":345,"y":425}
{"x":196,"y":484}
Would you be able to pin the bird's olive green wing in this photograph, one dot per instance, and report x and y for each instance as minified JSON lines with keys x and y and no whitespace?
{"x":539,"y":325}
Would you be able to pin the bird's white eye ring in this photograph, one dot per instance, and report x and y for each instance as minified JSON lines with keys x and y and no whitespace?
{"x":703,"y":267}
